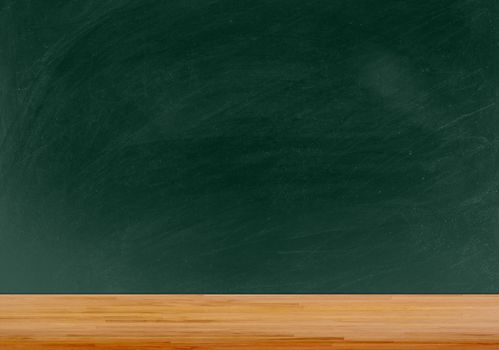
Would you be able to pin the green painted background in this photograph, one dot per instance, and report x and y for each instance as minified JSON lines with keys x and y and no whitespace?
{"x":274,"y":146}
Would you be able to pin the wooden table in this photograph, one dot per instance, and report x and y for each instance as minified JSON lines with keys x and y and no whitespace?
{"x":249,"y":322}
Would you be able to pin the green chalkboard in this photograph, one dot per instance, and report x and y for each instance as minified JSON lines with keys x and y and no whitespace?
{"x":225,"y":146}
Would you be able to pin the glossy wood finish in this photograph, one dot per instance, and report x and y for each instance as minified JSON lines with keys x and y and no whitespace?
{"x":249,"y":322}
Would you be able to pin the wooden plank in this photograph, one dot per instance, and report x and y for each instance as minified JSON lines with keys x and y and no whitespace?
{"x":364,"y":322}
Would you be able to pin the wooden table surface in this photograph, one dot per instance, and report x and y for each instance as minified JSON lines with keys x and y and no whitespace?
{"x":249,"y":322}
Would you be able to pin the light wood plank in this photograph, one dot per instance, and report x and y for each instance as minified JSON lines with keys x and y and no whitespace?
{"x":366,"y":322}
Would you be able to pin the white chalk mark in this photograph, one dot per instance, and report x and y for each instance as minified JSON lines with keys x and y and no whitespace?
{"x":463,"y":116}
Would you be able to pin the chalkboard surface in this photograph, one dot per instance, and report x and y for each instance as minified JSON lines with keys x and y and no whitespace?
{"x":223,"y":146}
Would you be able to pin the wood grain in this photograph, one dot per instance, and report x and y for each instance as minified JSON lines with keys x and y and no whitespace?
{"x":249,"y":322}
